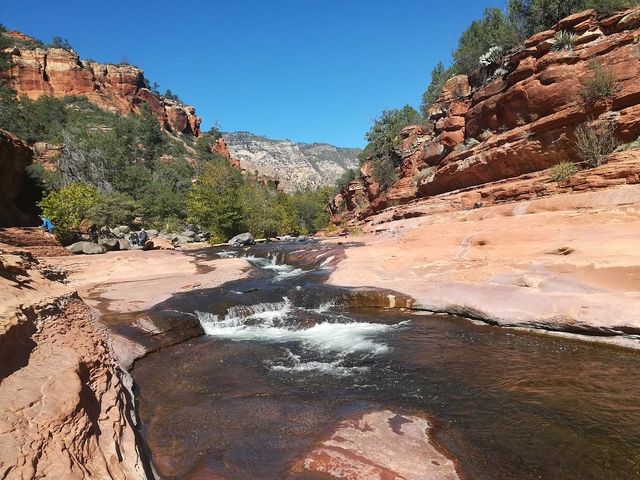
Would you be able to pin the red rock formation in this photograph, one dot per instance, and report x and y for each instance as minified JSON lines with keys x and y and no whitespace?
{"x":378,"y":445}
{"x":66,"y":405}
{"x":522,"y":121}
{"x":14,"y":157}
{"x":220,"y":147}
{"x":120,"y":88}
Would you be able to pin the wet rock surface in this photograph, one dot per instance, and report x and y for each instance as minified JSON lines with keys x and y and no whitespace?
{"x":379,"y":445}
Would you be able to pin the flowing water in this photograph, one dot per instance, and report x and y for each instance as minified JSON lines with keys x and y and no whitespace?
{"x":283,"y":359}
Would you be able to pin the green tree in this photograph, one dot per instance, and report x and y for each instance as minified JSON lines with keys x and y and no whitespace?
{"x":152,"y":138}
{"x":59,"y":42}
{"x":266,"y":212}
{"x":347,"y":177}
{"x":311,"y":210}
{"x":494,"y":29}
{"x":214,"y":201}
{"x":531,"y":16}
{"x":384,"y":140}
{"x":170,"y":95}
{"x":439,"y":76}
{"x":607,"y":7}
{"x":67,"y":207}
{"x":114,"y":209}
{"x":204,"y":143}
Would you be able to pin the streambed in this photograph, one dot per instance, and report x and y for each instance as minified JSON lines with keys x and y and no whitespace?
{"x":284,"y":360}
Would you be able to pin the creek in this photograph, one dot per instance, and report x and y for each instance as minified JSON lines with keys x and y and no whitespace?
{"x":285,"y":357}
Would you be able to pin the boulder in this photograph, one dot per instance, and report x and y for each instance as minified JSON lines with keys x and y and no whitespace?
{"x":124,"y":244}
{"x":152,"y":233}
{"x":88,"y":248}
{"x":111,"y":244}
{"x":242,"y":239}
{"x":162,"y":243}
{"x":180,"y":239}
{"x":148,"y":245}
{"x":189,"y":233}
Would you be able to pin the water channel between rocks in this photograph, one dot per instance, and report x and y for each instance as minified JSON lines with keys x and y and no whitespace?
{"x":284,"y":360}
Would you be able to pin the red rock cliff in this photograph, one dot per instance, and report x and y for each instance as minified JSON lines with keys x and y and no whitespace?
{"x":523,"y":121}
{"x":14,"y":157}
{"x":120,"y":88}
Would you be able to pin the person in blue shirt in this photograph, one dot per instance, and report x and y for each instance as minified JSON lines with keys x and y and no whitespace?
{"x":47,"y":224}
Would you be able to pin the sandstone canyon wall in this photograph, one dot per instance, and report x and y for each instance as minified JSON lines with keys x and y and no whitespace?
{"x":523,"y":121}
{"x":120,"y":88}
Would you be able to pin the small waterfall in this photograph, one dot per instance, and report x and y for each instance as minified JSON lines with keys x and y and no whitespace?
{"x":265,"y":314}
{"x":273,"y":263}
{"x":276,"y":323}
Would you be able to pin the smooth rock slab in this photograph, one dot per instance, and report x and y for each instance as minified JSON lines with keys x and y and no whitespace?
{"x":377,"y":446}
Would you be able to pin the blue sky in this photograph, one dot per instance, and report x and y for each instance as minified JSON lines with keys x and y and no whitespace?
{"x":310,"y":71}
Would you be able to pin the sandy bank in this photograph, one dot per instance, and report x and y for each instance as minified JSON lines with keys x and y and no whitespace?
{"x":569,"y":263}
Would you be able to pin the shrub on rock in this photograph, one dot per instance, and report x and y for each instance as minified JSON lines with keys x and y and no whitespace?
{"x":595,"y":142}
{"x":563,"y":171}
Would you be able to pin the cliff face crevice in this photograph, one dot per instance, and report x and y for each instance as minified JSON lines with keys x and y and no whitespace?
{"x":121,"y":88}
{"x":15,"y":156}
{"x":521,"y":122}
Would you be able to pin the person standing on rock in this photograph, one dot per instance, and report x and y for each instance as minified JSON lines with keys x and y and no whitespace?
{"x":93,"y":233}
{"x":142,"y":237}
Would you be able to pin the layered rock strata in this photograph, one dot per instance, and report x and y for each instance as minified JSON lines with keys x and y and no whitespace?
{"x":522,"y":121}
{"x":121,"y":88}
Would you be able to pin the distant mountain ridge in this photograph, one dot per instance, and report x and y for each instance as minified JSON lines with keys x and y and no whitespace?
{"x":295,"y":165}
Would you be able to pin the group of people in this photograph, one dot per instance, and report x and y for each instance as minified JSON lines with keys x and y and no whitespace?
{"x":137,"y":239}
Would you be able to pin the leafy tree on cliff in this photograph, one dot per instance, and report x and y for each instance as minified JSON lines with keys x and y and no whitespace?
{"x":59,"y":42}
{"x":205,"y":141}
{"x":152,"y":138}
{"x":439,"y":76}
{"x":5,"y":58}
{"x":531,"y":16}
{"x":609,"y":6}
{"x":170,"y":95}
{"x":384,"y":140}
{"x":494,"y":29}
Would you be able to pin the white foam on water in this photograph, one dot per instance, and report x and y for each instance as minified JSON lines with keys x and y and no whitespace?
{"x":324,"y":307}
{"x":335,"y":368}
{"x":330,"y":368}
{"x":267,"y":314}
{"x":282,"y":270}
{"x":266,"y":322}
{"x":228,"y":254}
